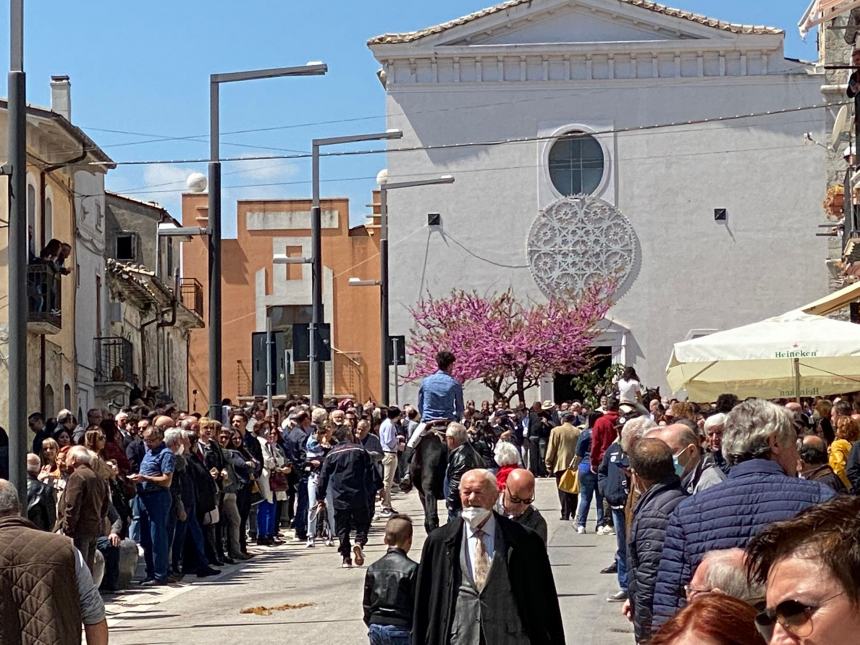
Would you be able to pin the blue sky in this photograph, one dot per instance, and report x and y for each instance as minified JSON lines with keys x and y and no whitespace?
{"x":142,"y":67}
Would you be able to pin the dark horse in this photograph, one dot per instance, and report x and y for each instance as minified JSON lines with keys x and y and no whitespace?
{"x":651,"y":393}
{"x":427,"y":471}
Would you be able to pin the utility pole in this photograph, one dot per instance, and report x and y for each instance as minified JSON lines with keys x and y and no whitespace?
{"x":214,"y":225}
{"x":215,"y":81}
{"x":317,"y":375}
{"x":384,"y":339}
{"x":17,"y":257}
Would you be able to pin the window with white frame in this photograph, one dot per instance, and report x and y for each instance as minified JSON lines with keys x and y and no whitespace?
{"x":576,"y":163}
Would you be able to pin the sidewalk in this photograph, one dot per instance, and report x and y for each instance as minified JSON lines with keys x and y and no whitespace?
{"x":209,"y":609}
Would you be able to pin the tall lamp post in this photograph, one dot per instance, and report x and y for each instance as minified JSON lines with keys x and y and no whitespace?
{"x":384,"y":187}
{"x":17,"y":260}
{"x":215,"y":81}
{"x":316,"y":372}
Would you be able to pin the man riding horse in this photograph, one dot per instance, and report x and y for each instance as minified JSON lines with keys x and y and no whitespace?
{"x":440,"y":401}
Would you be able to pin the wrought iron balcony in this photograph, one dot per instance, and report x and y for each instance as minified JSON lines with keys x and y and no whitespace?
{"x":191,"y":295}
{"x":114,"y":359}
{"x":44,"y":298}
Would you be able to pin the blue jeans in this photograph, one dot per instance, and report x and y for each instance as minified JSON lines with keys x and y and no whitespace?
{"x":301,"y":518}
{"x":154,"y":509}
{"x":110,"y":581}
{"x":134,"y":526}
{"x":388,"y":635}
{"x":266,"y":520}
{"x":621,"y":543}
{"x":313,"y":481}
{"x":587,"y":490}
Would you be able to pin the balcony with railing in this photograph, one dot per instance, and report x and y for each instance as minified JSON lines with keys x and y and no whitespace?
{"x":191,"y":295}
{"x":44,"y":299}
{"x":114,"y":359}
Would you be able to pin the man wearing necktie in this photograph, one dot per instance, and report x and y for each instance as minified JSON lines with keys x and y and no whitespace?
{"x":484,"y":579}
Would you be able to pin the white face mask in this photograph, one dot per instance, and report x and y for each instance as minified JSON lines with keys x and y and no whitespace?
{"x":474,"y":516}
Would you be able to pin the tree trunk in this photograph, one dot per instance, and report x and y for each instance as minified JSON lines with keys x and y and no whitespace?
{"x":521,"y":389}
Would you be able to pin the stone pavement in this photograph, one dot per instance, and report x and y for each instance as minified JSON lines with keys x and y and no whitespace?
{"x":209,"y":610}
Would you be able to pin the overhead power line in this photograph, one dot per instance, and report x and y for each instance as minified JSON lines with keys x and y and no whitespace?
{"x":487,"y":143}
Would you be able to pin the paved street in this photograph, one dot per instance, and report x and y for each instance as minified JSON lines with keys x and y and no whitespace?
{"x":291,"y":574}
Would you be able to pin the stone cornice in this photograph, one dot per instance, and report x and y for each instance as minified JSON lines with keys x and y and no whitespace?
{"x":771,"y":44}
{"x":541,"y":65}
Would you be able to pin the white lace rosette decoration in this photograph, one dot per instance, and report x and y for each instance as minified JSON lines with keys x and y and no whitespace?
{"x":577,"y":241}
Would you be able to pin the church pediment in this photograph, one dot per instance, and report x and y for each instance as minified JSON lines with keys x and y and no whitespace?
{"x":572,"y":25}
{"x":519,"y":23}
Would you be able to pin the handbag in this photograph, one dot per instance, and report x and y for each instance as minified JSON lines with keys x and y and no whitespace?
{"x":569,"y":482}
{"x":278,"y":482}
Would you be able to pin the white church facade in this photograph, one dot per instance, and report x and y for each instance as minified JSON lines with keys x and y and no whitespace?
{"x":710,"y":223}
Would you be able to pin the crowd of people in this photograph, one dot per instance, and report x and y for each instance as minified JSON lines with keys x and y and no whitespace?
{"x":717,"y":511}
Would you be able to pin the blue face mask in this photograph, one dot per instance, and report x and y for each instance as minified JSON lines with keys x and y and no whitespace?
{"x":679,"y":467}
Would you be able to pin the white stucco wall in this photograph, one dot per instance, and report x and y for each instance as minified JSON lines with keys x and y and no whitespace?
{"x":89,"y":257}
{"x":695,"y":273}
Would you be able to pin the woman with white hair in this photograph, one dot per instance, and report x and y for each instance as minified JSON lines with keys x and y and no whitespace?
{"x":508,"y":458}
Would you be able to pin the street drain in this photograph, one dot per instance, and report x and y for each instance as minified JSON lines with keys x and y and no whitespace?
{"x":267,"y":611}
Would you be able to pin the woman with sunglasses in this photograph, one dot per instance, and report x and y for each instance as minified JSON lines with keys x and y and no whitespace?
{"x":811,"y":566}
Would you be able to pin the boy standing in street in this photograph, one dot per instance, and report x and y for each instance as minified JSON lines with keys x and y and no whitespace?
{"x":389,"y":587}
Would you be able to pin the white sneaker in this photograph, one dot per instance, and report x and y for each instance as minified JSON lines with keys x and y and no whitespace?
{"x":310,"y":543}
{"x":608,"y":530}
{"x":329,"y":542}
{"x":580,"y":530}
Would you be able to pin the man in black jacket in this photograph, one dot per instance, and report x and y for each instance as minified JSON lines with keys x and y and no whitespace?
{"x":389,"y":586}
{"x":462,"y":457}
{"x":41,"y":501}
{"x":485,"y":578}
{"x":351,"y":475}
{"x":613,"y":484}
{"x":653,"y":473}
{"x":297,"y":441}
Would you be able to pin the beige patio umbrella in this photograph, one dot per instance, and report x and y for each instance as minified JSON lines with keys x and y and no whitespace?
{"x":792,"y":355}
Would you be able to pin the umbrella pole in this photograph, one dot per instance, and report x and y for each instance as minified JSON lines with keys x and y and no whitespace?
{"x":797,"y":378}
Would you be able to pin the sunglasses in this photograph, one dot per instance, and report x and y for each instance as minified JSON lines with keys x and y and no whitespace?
{"x":517,"y":500}
{"x":793,"y":616}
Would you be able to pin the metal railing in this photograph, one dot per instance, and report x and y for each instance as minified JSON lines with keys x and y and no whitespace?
{"x":44,"y":294}
{"x":191,"y":295}
{"x":114,"y":359}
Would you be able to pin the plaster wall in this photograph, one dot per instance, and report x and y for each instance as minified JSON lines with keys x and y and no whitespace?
{"x":693,"y":272}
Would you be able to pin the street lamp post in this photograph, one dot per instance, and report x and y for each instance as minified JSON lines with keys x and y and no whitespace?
{"x":384,"y":187}
{"x":214,"y":214}
{"x":316,"y":372}
{"x":17,"y":257}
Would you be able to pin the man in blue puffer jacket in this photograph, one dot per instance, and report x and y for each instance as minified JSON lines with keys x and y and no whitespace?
{"x":654,"y":474}
{"x":760,"y":444}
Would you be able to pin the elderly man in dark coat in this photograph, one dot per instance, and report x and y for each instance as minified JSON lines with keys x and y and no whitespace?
{"x":484,"y":578}
{"x":653,"y":473}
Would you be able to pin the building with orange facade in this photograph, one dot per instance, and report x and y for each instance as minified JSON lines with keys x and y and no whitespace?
{"x":254,"y":287}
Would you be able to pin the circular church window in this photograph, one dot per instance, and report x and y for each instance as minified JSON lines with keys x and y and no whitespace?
{"x":576,"y":164}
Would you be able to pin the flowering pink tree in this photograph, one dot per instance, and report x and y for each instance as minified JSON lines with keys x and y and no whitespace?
{"x":507,"y":345}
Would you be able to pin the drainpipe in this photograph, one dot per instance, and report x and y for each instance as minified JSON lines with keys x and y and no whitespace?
{"x":171,"y":322}
{"x":142,"y":330}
